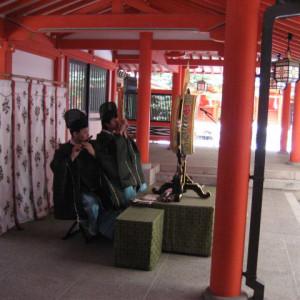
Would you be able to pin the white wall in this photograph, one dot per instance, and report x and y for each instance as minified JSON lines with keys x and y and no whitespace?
{"x":105,"y":54}
{"x":27,"y":64}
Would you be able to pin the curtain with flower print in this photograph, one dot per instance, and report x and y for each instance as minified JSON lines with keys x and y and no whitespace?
{"x":6,"y":204}
{"x":61,"y":94}
{"x":37,"y":144}
{"x":31,"y":124}
{"x":50,"y":114}
{"x":22,"y":179}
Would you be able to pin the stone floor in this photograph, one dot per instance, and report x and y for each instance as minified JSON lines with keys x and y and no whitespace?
{"x":36,"y":263}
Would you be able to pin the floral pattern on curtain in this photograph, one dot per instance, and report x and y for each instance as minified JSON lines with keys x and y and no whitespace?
{"x":50,"y":113}
{"x":6,"y":204}
{"x":37,"y":142}
{"x":61,"y":109}
{"x":23,"y":188}
{"x":31,"y":124}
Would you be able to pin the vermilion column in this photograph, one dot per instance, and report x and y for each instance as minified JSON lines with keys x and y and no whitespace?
{"x":295,"y":153}
{"x":144,"y":96}
{"x":114,"y":85}
{"x":5,"y":57}
{"x":285,"y":117}
{"x":58,"y":69}
{"x":176,"y":90}
{"x":234,"y":152}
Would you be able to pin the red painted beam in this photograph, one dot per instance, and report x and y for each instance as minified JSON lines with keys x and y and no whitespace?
{"x":100,"y":44}
{"x":141,"y":6}
{"x":200,"y":45}
{"x":92,"y":7}
{"x":71,"y":23}
{"x":77,"y":54}
{"x":195,"y":62}
{"x":159,"y":58}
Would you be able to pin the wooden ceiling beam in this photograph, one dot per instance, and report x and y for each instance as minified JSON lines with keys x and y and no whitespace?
{"x":92,"y":6}
{"x":192,"y":45}
{"x":69,"y":9}
{"x":141,"y":6}
{"x":28,"y":8}
{"x":195,"y":62}
{"x":176,"y":7}
{"x":117,"y":7}
{"x":52,"y":8}
{"x":159,"y":58}
{"x":9,"y":7}
{"x":127,"y":57}
{"x":71,"y":23}
{"x":100,"y":44}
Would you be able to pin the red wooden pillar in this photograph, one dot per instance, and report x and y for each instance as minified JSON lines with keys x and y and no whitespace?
{"x":58,"y":68}
{"x":285,"y":117}
{"x":144,"y":96}
{"x":295,"y":152}
{"x":6,"y":51}
{"x":67,"y":79}
{"x":114,"y":74}
{"x":234,"y":152}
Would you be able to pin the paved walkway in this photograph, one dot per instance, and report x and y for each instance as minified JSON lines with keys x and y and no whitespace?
{"x":36,"y":264}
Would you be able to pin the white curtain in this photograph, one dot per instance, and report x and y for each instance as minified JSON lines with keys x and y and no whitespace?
{"x":50,"y":102}
{"x":61,"y":109}
{"x":31,"y":123}
{"x":6,"y":177}
{"x":22,"y":180}
{"x":37,"y":143}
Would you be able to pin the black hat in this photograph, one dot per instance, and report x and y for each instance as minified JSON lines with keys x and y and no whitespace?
{"x":108,"y":110}
{"x":76,"y":120}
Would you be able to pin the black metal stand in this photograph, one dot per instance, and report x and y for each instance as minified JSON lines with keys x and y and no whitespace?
{"x":72,"y":231}
{"x":181,"y":180}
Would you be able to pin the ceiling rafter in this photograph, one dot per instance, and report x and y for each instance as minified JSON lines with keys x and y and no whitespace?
{"x":52,"y":8}
{"x":200,"y":7}
{"x":175,"y":7}
{"x":139,"y":21}
{"x":30,"y":8}
{"x":12,"y":6}
{"x":218,"y":7}
{"x":117,"y":7}
{"x":141,"y":6}
{"x":69,"y":9}
{"x":92,"y":6}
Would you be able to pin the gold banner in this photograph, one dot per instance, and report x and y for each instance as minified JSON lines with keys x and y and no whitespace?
{"x":187,"y":126}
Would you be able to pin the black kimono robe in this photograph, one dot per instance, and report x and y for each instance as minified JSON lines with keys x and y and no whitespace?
{"x":121,"y":162}
{"x":71,"y":178}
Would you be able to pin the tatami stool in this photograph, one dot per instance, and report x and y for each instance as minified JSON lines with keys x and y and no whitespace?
{"x":138,"y":237}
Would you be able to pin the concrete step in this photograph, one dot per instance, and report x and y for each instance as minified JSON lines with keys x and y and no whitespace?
{"x":282,"y":180}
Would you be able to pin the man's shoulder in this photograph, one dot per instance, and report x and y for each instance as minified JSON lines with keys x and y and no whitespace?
{"x":65,"y":147}
{"x":104,"y":136}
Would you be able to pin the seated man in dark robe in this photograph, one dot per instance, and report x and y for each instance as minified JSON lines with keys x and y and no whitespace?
{"x":80,"y":190}
{"x":120,"y":158}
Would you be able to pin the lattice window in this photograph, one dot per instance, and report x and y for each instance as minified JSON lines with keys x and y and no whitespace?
{"x":87,"y":86}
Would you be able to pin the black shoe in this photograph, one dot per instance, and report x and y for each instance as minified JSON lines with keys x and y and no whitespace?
{"x":86,"y":234}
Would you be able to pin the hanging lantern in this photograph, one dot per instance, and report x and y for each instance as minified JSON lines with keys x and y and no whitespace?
{"x":274,"y":85}
{"x":286,"y":70}
{"x":201,"y":85}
